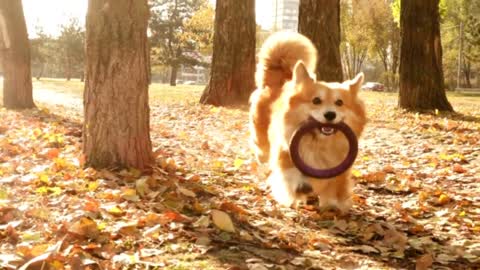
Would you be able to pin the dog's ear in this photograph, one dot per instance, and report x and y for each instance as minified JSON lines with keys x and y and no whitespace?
{"x":356,"y":83}
{"x":300,"y":73}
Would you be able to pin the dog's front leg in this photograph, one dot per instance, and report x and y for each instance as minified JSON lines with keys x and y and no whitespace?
{"x":289,"y":186}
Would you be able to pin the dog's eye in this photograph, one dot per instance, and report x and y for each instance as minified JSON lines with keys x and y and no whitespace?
{"x":317,"y":101}
{"x":339,"y":102}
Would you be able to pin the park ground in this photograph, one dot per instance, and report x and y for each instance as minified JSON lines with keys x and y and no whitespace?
{"x":206,"y":206}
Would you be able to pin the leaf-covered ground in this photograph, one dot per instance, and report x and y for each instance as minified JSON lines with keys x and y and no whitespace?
{"x":206,"y":206}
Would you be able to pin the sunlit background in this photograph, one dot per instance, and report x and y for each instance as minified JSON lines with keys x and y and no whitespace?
{"x":50,"y":14}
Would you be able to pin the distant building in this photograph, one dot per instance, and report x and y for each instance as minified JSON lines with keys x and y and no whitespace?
{"x":197,"y":74}
{"x":285,"y":15}
{"x":193,"y":75}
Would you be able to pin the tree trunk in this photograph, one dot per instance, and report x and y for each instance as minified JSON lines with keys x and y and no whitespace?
{"x":467,"y":68}
{"x":15,"y":47}
{"x":40,"y":72}
{"x":173,"y":75}
{"x":116,"y":131}
{"x":68,"y":69}
{"x":233,"y":63}
{"x":422,"y":84}
{"x":319,"y":20}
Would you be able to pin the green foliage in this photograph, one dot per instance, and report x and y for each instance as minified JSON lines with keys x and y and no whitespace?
{"x":38,"y":46}
{"x":180,"y":30}
{"x":61,"y":56}
{"x":472,"y":31}
{"x":72,"y":43}
{"x":396,"y":11}
{"x":467,"y":14}
{"x":396,"y":7}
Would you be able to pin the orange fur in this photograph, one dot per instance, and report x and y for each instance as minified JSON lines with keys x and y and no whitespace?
{"x":283,"y":101}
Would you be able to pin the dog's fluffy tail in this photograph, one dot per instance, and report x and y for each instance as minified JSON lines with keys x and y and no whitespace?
{"x":276,"y":60}
{"x":279,"y":54}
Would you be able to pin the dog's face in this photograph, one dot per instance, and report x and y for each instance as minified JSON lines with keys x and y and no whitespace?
{"x":325,"y":102}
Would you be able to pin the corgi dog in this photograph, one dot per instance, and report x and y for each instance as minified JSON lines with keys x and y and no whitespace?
{"x":287,"y":95}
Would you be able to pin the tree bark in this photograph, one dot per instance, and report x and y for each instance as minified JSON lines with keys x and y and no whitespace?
{"x":319,"y":20}
{"x":233,"y":62}
{"x":68,"y":69}
{"x":15,"y":47}
{"x":422,"y":85}
{"x":40,"y":72}
{"x":467,"y":68}
{"x":173,"y":75}
{"x":116,"y":131}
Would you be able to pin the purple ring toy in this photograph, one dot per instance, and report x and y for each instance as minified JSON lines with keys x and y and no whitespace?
{"x":310,"y":126}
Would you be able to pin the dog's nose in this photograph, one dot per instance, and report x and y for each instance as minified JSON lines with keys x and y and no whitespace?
{"x":330,"y":116}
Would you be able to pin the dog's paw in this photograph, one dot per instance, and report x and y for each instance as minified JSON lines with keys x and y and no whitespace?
{"x":304,"y":188}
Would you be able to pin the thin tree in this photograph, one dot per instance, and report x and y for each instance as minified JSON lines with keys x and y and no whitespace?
{"x":116,"y":132}
{"x":233,"y":62}
{"x":319,"y":20}
{"x":422,"y":84}
{"x":15,"y":50}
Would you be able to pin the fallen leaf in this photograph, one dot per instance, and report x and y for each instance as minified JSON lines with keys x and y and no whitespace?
{"x":187,"y":192}
{"x":424,"y":262}
{"x":202,"y":222}
{"x":365,"y":249}
{"x":458,"y":168}
{"x":222,"y":220}
{"x":85,"y":227}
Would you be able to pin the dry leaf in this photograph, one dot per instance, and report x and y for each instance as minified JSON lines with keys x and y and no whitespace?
{"x":222,"y":220}
{"x":424,"y":262}
{"x":85,"y":227}
{"x":187,"y":192}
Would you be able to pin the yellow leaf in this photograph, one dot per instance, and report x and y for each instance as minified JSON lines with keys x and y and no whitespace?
{"x":443,"y":199}
{"x":115,"y":210}
{"x":55,"y":190}
{"x":44,"y":178}
{"x":60,"y":162}
{"x":130,"y":194}
{"x":222,"y":220}
{"x":41,"y":190}
{"x":365,"y":158}
{"x":356,"y":173}
{"x":56,"y":264}
{"x":101,"y":226}
{"x":92,"y":186}
{"x":218,"y":165}
{"x":238,"y":163}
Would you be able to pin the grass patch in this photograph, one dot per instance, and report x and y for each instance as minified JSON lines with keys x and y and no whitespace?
{"x":191,"y":93}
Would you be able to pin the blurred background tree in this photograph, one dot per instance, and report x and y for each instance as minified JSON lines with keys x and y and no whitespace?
{"x":62,"y":56}
{"x":179,"y":29}
{"x":461,"y":39}
{"x":71,"y":48}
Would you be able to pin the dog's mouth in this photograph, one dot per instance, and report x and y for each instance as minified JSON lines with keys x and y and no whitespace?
{"x":328,"y":131}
